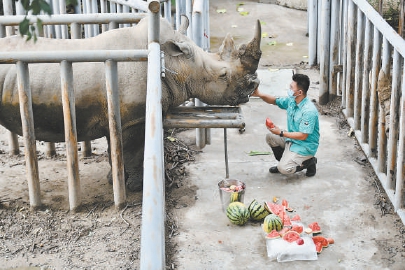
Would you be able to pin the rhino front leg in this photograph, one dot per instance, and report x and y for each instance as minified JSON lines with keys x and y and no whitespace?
{"x":133,"y":139}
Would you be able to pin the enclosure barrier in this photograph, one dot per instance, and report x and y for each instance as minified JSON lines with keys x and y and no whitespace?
{"x":363,"y":61}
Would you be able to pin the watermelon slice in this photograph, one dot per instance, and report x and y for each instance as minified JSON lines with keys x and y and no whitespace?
{"x":274,"y":208}
{"x":291,"y":236}
{"x":297,"y":228}
{"x":320,"y":239}
{"x":284,"y":231}
{"x":273,"y":235}
{"x":318,"y":247}
{"x":296,"y":218}
{"x":315,"y":227}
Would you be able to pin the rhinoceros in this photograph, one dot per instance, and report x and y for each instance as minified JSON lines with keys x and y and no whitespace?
{"x":224,"y":78}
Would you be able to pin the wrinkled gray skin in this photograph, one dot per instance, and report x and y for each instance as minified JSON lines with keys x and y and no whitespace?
{"x":225,"y":78}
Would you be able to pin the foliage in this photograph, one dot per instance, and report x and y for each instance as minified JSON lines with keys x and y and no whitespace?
{"x":36,"y":7}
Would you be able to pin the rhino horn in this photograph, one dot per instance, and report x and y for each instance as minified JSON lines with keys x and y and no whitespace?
{"x":227,"y":51}
{"x":184,"y":24}
{"x":250,"y":54}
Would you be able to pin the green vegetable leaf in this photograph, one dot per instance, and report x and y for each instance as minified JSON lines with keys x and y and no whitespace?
{"x":257,"y":153}
{"x":244,"y":13}
{"x":221,"y":10}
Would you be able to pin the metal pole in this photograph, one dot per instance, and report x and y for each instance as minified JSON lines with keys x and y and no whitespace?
{"x":312,"y":31}
{"x":324,"y":53}
{"x":69,"y":119}
{"x":365,"y":97}
{"x":153,"y":203}
{"x":114,"y":124}
{"x":27,"y":120}
{"x":334,"y":48}
{"x":358,"y":69}
{"x":350,"y":41}
{"x":373,"y":131}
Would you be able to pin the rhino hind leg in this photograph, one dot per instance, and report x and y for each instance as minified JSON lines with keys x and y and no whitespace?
{"x":133,"y":150}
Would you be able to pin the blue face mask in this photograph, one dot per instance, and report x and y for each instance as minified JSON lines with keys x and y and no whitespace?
{"x":290,"y":93}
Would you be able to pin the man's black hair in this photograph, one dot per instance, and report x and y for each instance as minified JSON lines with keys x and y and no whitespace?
{"x":302,"y":82}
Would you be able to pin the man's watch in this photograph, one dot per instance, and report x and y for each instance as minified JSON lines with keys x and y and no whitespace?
{"x":281,"y":133}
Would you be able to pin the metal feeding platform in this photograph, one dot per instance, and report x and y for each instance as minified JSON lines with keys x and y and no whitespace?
{"x":207,"y":117}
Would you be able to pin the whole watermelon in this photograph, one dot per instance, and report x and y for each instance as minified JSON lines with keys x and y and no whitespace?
{"x":257,"y":211}
{"x":272,"y":222}
{"x":238,"y":213}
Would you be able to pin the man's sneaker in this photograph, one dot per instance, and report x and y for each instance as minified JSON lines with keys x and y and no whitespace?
{"x":274,"y":169}
{"x":311,"y":166}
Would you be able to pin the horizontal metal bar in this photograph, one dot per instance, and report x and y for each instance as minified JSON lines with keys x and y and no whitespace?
{"x":204,"y":117}
{"x":378,"y":21}
{"x":73,"y":56}
{"x":76,"y":18}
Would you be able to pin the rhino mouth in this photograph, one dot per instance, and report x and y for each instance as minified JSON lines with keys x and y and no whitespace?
{"x":249,"y":85}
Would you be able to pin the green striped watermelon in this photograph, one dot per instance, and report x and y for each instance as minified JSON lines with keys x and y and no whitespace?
{"x":272,"y":222}
{"x":257,"y":211}
{"x":238,"y":213}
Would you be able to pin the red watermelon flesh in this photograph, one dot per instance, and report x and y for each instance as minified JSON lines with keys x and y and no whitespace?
{"x":297,"y":228}
{"x":315,"y":227}
{"x":274,"y":208}
{"x":291,"y":236}
{"x":273,"y":235}
{"x":296,"y":218}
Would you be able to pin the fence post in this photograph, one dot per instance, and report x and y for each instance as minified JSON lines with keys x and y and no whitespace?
{"x":334,"y":49}
{"x":365,"y":97}
{"x":324,"y":53}
{"x":27,"y":120}
{"x":350,"y":41}
{"x":312,"y":31}
{"x":69,"y":119}
{"x":373,"y":130}
{"x":114,"y":122}
{"x":382,"y":145}
{"x":153,"y":201}
{"x":358,"y":69}
{"x":394,"y":116}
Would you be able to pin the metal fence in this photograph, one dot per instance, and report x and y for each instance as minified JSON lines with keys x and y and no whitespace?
{"x":87,"y":25}
{"x":362,"y":60}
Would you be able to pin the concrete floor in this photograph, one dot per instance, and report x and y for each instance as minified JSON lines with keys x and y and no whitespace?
{"x":341,"y":197}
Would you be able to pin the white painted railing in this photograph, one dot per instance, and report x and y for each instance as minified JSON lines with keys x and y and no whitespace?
{"x":357,"y":49}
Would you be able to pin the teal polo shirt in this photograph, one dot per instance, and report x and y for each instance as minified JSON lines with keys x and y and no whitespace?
{"x":302,"y":117}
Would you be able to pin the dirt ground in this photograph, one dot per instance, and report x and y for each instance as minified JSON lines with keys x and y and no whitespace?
{"x":100,"y":237}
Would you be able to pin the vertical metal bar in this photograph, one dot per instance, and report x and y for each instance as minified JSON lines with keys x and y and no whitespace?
{"x":198,"y":33}
{"x":103,"y":9}
{"x":9,"y":31}
{"x":114,"y":122}
{"x":55,"y":7}
{"x":358,"y":69}
{"x":324,"y":53}
{"x":94,"y":9}
{"x":226,"y":154}
{"x":319,"y":27}
{"x":69,"y":119}
{"x":400,"y":173}
{"x":153,"y":202}
{"x":334,"y":49}
{"x":350,"y":41}
{"x":180,"y":10}
{"x":394,"y":116}
{"x":167,"y":10}
{"x":62,"y":10}
{"x":382,"y":137}
{"x":27,"y":120}
{"x":312,"y":31}
{"x":344,"y":49}
{"x":373,"y":124}
{"x":8,"y":11}
{"x":365,"y":97}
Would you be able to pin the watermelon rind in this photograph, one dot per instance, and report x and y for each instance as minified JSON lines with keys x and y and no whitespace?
{"x":238,"y":213}
{"x":257,"y":211}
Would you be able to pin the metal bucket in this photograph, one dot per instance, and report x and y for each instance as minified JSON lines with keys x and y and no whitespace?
{"x":228,"y":196}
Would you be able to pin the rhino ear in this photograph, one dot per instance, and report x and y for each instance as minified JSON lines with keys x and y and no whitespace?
{"x":174,"y":48}
{"x":227,"y":50}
